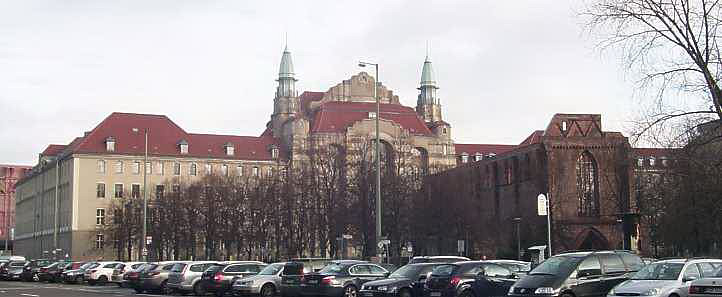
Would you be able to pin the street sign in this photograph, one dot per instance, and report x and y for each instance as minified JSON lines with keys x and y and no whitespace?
{"x":145,"y":252}
{"x":541,"y":205}
{"x":148,"y":239}
{"x":347,"y":236}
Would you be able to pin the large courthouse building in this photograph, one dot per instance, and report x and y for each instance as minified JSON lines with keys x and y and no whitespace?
{"x":64,"y":201}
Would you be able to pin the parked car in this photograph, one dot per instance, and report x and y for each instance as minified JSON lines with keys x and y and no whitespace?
{"x":100,"y":274}
{"x":708,"y":286}
{"x":75,"y":276}
{"x":153,"y":277}
{"x":469,"y":278}
{"x":121,"y":269}
{"x":291,"y":276}
{"x":185,"y":277}
{"x":266,"y":283}
{"x":31,"y":271}
{"x":57,"y":275}
{"x":667,"y":278}
{"x":407,"y":281}
{"x":588,"y":274}
{"x":312,"y":264}
{"x":517,"y":267}
{"x":13,"y":270}
{"x":48,"y":273}
{"x":132,"y":276}
{"x":437,"y":259}
{"x":341,"y":278}
{"x":218,"y":278}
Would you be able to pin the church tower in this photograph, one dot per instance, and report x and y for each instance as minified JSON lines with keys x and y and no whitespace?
{"x":428,"y":105}
{"x":286,"y":103}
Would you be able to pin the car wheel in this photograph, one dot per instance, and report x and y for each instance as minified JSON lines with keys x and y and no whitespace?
{"x":102,"y":280}
{"x":78,"y":279}
{"x":198,"y":289}
{"x":220,"y":293}
{"x":36,"y":277}
{"x":268,"y":290}
{"x":405,"y":293}
{"x":350,"y":291}
{"x":164,"y":289}
{"x":138,"y":290}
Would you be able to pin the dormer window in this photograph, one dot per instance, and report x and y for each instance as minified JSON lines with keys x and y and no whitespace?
{"x":651,"y":161}
{"x":183,"y":147}
{"x":110,"y":144}
{"x":372,"y":114}
{"x":464,"y":158}
{"x":564,"y":125}
{"x":229,"y":149}
{"x":640,"y":162}
{"x":443,"y":131}
{"x":274,"y":153}
{"x":478,"y":157}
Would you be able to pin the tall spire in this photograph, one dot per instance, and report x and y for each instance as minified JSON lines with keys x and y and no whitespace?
{"x":427,"y":73}
{"x":428,"y":106}
{"x":286,"y":68}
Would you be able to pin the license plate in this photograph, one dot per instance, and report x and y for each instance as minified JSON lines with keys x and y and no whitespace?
{"x":435,"y":294}
{"x":715,"y":290}
{"x":313,"y":282}
{"x":369,"y":294}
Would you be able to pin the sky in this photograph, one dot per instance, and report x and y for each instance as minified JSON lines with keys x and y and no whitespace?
{"x":504,"y":68}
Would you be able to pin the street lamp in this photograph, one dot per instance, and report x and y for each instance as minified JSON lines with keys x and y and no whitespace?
{"x":144,"y":250}
{"x":517,"y":222}
{"x":378,"y":159}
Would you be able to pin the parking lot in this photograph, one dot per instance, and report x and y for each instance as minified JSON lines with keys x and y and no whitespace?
{"x":33,"y":289}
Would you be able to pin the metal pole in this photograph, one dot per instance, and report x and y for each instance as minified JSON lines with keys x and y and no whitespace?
{"x":55,"y":221}
{"x":378,"y":158}
{"x":518,"y":238}
{"x":6,"y":195}
{"x":549,"y":226}
{"x":145,"y":199}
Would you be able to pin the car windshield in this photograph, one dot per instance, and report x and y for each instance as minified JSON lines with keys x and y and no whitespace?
{"x":718,"y":273}
{"x":272,"y":269}
{"x":178,"y":267}
{"x":332,"y":268}
{"x":86,"y":265}
{"x":406,"y":271}
{"x":559,"y":265}
{"x":443,"y":270}
{"x":149,"y":267}
{"x":659,"y":271}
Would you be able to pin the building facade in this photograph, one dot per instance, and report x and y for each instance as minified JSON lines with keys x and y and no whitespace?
{"x":9,"y":175}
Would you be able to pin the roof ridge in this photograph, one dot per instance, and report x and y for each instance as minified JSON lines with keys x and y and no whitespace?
{"x":225,"y":135}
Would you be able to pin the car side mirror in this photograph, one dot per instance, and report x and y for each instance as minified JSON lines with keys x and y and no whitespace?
{"x":386,"y":274}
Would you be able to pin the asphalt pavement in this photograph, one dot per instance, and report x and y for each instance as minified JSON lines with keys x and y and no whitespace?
{"x":31,"y":289}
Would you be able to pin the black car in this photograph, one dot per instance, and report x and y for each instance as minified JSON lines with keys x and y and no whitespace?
{"x":75,"y":276}
{"x":588,"y":274}
{"x":407,"y":281}
{"x":12,"y":270}
{"x":437,"y":259}
{"x":469,"y":278}
{"x":341,"y":278}
{"x":291,"y":276}
{"x":48,"y":273}
{"x":31,"y":270}
{"x":219,"y":277}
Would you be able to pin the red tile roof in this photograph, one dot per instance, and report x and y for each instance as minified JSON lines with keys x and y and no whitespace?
{"x":535,"y":137}
{"x":472,"y":149}
{"x":163,"y":138}
{"x":334,"y":116}
{"x":53,"y":149}
{"x":307,"y":97}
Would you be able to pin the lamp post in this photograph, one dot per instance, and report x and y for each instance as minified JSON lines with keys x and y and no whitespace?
{"x":144,"y":249}
{"x":517,"y":222}
{"x":378,"y":159}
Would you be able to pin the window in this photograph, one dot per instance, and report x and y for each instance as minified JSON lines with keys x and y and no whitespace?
{"x":101,"y":166}
{"x":136,"y":167}
{"x":492,"y":270}
{"x":118,"y":191}
{"x":100,"y":216}
{"x":478,"y":157}
{"x":443,"y":131}
{"x":372,"y":114}
{"x":240,"y":170}
{"x":360,"y":270}
{"x":175,"y":188}
{"x":193,"y":169}
{"x":229,"y":149}
{"x":632,"y":261}
{"x":176,"y":168}
{"x":159,"y":189}
{"x":269,"y":172}
{"x":148,"y":168}
{"x":640,"y":162}
{"x":665,"y":161}
{"x":589,"y":267}
{"x":464,"y":158}
{"x":274,"y":153}
{"x":691,"y":272}
{"x":183,"y":147}
{"x":255,"y":171}
{"x":377,"y":270}
{"x":119,"y":167}
{"x":708,"y":268}
{"x":612,"y":263}
{"x":159,"y":168}
{"x":99,"y":241}
{"x":564,"y":125}
{"x":135,"y":191}
{"x":209,"y":168}
{"x":100,"y":190}
{"x":443,"y":149}
{"x":651,"y":161}
{"x":110,"y":144}
{"x":587,"y":185}
{"x":224,"y":170}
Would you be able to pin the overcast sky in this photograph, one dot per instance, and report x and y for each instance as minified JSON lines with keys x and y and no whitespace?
{"x":504,"y":67}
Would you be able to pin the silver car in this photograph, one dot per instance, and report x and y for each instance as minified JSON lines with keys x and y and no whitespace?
{"x":185,"y":277}
{"x":664,"y":278}
{"x":708,"y":286}
{"x":265,"y":283}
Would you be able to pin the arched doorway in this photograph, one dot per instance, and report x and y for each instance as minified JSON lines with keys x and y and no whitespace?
{"x":592,"y":239}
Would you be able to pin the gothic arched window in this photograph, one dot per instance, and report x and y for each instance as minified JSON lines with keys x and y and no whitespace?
{"x":587,"y":185}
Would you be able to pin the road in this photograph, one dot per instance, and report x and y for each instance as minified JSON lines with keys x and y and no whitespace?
{"x":27,"y":289}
